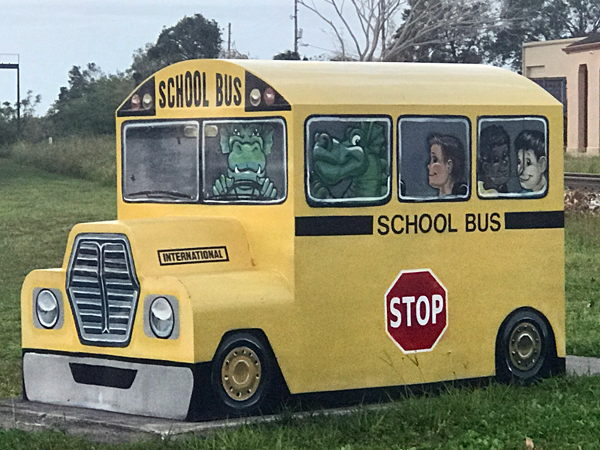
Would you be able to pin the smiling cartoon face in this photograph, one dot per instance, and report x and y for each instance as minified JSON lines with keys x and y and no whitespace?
{"x":531,"y":170}
{"x":335,"y":160}
{"x":496,"y":168}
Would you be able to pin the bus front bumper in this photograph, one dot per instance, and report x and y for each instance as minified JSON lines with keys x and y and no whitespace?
{"x":148,"y":388}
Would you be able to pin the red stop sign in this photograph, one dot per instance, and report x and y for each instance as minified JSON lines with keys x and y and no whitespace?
{"x":416,"y":310}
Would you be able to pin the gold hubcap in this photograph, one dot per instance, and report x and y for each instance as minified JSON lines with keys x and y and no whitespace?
{"x":241,"y":373}
{"x":525,"y":346}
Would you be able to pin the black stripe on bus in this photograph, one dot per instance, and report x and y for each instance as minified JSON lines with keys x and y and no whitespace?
{"x":534,"y":219}
{"x":334,"y":225}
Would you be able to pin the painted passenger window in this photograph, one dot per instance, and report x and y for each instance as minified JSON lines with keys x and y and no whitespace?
{"x":160,"y":162}
{"x":512,"y":157}
{"x":434,"y":158}
{"x":348,"y":160}
{"x":244,"y":161}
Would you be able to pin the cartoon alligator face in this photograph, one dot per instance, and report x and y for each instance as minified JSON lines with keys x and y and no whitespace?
{"x":354,"y":167}
{"x":247,"y":147}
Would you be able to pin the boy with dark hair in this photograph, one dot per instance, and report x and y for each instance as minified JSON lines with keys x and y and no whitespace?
{"x":532,"y":160}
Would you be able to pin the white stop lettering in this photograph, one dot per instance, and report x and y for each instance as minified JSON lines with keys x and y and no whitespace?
{"x":424,"y":310}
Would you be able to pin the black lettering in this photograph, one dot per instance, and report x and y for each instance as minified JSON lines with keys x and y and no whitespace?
{"x":436,"y":226}
{"x":384,"y":228}
{"x":228,"y":90}
{"x":450,"y":229}
{"x":197,"y":89}
{"x":219,"y":253}
{"x":162,"y":102}
{"x":197,"y":255}
{"x":178,"y":256}
{"x":496,"y":225}
{"x":470,"y":223}
{"x":219,"y":90}
{"x":189,"y":89}
{"x":179,"y":90}
{"x":237,"y":98}
{"x":411,"y":224}
{"x":430,"y":224}
{"x":485,"y":227}
{"x":167,"y":257}
{"x":170,"y":96}
{"x":204,"y":100}
{"x":394,"y":229}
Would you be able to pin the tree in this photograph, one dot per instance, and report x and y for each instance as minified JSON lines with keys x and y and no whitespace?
{"x":191,"y":38}
{"x":425,"y":26}
{"x":443,"y":31}
{"x":540,"y":20}
{"x":366,"y":23}
{"x":88,"y":104}
{"x":287,"y":55}
{"x":11,"y":129}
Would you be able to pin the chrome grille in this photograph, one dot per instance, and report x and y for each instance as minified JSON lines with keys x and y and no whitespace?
{"x":103,"y":288}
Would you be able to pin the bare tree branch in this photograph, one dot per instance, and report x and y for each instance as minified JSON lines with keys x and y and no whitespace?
{"x":423,"y":22}
{"x":364,"y":21}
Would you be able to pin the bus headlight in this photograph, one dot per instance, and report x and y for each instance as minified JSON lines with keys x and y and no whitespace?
{"x":162,"y":317}
{"x":46,"y":308}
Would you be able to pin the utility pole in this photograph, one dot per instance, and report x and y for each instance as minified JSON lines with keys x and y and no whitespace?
{"x":296,"y":26}
{"x":15,"y":66}
{"x":229,"y":40}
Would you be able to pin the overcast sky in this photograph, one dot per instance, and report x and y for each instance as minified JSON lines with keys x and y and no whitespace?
{"x":51,"y":36}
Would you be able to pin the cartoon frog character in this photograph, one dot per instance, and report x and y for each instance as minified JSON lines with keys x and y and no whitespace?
{"x":247,"y":146}
{"x":353,"y":167}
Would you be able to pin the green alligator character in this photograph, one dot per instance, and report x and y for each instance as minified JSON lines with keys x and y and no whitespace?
{"x":357,"y":167}
{"x":247,"y":147}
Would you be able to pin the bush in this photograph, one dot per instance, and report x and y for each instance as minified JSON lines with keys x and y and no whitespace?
{"x":92,"y":158}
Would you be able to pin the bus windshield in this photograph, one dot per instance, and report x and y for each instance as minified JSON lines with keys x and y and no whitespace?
{"x":160,"y":162}
{"x":235,"y":161}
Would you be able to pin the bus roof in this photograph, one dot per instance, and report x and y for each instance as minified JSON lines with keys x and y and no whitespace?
{"x":319,"y":82}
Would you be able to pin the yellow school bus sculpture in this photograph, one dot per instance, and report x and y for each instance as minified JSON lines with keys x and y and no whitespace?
{"x":309,"y":227}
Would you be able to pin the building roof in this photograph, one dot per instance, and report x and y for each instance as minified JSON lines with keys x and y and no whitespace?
{"x":590,"y":42}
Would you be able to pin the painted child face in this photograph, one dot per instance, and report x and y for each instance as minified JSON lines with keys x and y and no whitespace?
{"x":497,"y":170}
{"x":531,"y":170}
{"x":438,"y":168}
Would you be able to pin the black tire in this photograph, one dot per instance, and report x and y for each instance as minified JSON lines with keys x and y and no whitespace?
{"x":242,"y":374}
{"x":525,"y":348}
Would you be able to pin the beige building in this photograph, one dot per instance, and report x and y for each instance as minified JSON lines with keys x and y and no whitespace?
{"x":570,"y":70}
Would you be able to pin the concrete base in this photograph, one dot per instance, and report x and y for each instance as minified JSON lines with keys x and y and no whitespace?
{"x":103,"y":426}
{"x":110,"y":427}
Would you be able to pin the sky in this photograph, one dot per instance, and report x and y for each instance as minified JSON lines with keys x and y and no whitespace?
{"x":48,"y":37}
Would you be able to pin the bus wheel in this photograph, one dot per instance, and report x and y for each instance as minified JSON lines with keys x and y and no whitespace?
{"x":242,"y":373}
{"x":525,"y":348}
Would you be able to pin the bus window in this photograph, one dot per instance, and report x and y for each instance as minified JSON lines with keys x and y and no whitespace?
{"x":512,"y":157}
{"x":434,"y":158}
{"x":244,"y":161}
{"x":348,"y":160}
{"x":160,"y":162}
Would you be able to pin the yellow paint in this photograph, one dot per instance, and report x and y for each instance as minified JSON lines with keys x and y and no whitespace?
{"x":320,"y":300}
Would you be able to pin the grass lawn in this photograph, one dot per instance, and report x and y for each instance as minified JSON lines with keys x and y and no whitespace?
{"x":560,"y":413}
{"x":582,"y":164}
{"x":37,"y":211}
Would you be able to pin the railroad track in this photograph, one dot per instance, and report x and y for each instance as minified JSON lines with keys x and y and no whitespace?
{"x":582,"y":181}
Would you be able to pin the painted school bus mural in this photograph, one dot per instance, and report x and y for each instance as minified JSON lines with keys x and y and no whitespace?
{"x":297,"y":228}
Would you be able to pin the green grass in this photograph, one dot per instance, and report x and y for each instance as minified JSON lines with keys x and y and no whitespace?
{"x":91,"y":158}
{"x":37,"y":210}
{"x":582,"y":284}
{"x":560,"y":414}
{"x":582,"y":164}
